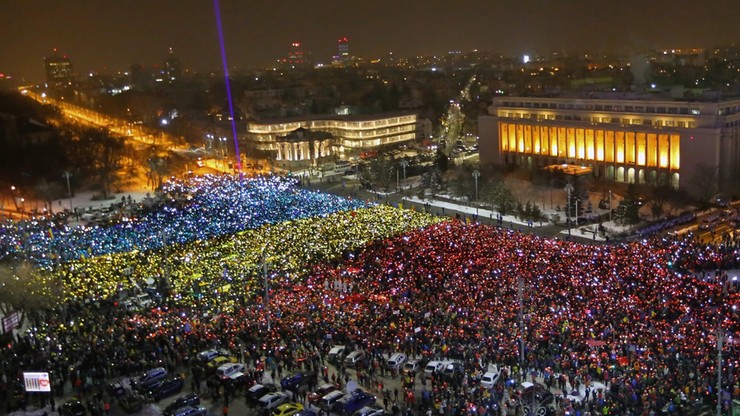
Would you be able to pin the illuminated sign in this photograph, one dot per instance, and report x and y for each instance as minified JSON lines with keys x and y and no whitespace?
{"x":37,"y":382}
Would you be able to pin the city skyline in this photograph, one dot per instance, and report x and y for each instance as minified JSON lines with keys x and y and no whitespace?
{"x":109,"y":37}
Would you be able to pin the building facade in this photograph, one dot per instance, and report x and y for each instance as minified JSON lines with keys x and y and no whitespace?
{"x":623,"y":138}
{"x":303,"y":148}
{"x":59,"y":71}
{"x":351,"y":134}
{"x":172,"y":68}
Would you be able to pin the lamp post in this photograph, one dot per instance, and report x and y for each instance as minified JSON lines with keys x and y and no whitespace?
{"x":520,"y":294}
{"x":398,"y":181}
{"x":568,"y":189}
{"x":610,"y":205}
{"x":66,"y":176}
{"x":720,"y":339}
{"x":403,"y":164}
{"x":476,"y":175}
{"x":267,"y":291}
{"x":166,"y":282}
{"x":222,"y":142}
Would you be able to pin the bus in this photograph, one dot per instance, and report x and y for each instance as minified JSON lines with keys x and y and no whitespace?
{"x":341,"y":167}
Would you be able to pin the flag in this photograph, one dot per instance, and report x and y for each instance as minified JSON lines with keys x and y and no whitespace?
{"x":51,"y":233}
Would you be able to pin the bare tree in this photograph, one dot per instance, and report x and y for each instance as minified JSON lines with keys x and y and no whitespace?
{"x":48,"y":192}
{"x":704,"y":183}
{"x":107,"y":152}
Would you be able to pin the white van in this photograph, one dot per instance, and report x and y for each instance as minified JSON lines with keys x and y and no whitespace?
{"x":354,"y":357}
{"x":396,"y":361}
{"x":327,"y":402}
{"x":336,"y":353}
{"x":433,"y":367}
{"x":225,"y":371}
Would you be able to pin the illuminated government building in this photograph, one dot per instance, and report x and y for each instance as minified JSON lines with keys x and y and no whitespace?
{"x":295,"y":141}
{"x":626,"y":138}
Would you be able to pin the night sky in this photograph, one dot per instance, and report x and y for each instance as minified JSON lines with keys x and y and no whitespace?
{"x":110,"y":35}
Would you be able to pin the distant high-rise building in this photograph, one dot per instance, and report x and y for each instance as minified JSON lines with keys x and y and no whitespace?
{"x":59,"y":72}
{"x":172,"y":68}
{"x":296,"y":56}
{"x":343,"y":49}
{"x":342,"y":57}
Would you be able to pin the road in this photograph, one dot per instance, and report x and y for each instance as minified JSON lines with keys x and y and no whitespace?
{"x":454,"y":120}
{"x":85,"y":116}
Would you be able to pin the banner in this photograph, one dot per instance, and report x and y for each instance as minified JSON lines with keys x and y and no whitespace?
{"x":11,"y":321}
{"x":37,"y":382}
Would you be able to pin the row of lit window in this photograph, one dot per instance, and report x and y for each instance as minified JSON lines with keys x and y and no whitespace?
{"x":615,"y":120}
{"x":359,"y":144}
{"x":637,"y":148}
{"x":340,"y":124}
{"x":603,"y":107}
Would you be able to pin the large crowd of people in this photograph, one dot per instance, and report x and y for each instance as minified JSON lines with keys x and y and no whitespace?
{"x":641,"y":318}
{"x":203,"y":208}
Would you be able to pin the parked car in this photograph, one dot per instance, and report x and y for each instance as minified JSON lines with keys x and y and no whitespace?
{"x":208,"y":355}
{"x":296,"y":381}
{"x":353,"y":402}
{"x":354,"y":357}
{"x":116,"y":389}
{"x":534,"y":395}
{"x":272,"y":400}
{"x":190,"y":411}
{"x":337,"y":353}
{"x":258,"y":390}
{"x":72,"y":408}
{"x":167,"y":388}
{"x":150,"y":378}
{"x":287,"y":409}
{"x":225,"y":371}
{"x":370,"y":411}
{"x":412,"y":366}
{"x":327,"y":402}
{"x":489,"y":379}
{"x":144,"y":301}
{"x":433,"y":368}
{"x":190,"y":399}
{"x":315,"y":397}
{"x":219,"y":361}
{"x":241,"y":380}
{"x":452,"y":370}
{"x":396,"y":361}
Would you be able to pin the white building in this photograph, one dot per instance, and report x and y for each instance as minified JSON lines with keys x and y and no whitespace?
{"x":351,"y":134}
{"x":623,"y":137}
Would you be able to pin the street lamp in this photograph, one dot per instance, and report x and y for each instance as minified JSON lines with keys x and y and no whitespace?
{"x":568,"y":188}
{"x":476,"y":175}
{"x":610,"y":205}
{"x":520,"y":293}
{"x":68,"y":175}
{"x":222,"y":142}
{"x":403,"y":164}
{"x":267,"y":289}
